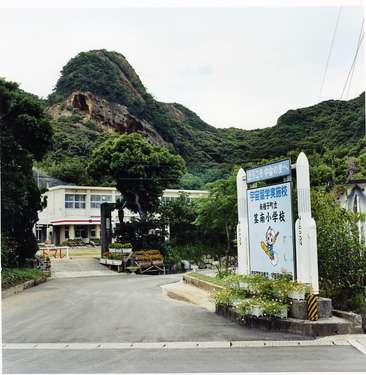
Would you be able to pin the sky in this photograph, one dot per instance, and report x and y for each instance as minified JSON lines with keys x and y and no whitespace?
{"x":233,"y":66}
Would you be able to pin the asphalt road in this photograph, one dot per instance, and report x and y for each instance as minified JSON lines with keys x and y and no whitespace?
{"x":131,"y":309}
{"x":115,"y":309}
{"x":325,"y":359}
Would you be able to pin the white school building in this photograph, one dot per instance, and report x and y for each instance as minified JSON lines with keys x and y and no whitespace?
{"x":73,"y":212}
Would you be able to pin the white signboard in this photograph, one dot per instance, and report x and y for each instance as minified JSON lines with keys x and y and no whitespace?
{"x":271,"y":242}
{"x":269,"y":171}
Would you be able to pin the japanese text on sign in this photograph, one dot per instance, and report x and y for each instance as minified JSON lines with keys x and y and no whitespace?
{"x":271,"y":230}
{"x":266,"y":172}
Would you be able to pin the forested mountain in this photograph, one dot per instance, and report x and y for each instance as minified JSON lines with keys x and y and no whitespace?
{"x":99,"y":94}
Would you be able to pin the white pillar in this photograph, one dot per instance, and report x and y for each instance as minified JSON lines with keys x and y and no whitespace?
{"x":242,"y":227}
{"x":71,"y":231}
{"x":306,"y":242}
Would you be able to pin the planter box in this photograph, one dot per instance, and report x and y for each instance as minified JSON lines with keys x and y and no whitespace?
{"x":111,"y":262}
{"x":297,"y":294}
{"x":243,"y":285}
{"x":283,"y":314}
{"x":256,"y":311}
{"x":120,"y":250}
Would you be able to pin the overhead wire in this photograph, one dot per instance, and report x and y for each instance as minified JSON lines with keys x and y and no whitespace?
{"x":330,"y":52}
{"x":360,"y":40}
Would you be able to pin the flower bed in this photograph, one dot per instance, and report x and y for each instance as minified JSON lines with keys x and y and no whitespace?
{"x":258,"y":296}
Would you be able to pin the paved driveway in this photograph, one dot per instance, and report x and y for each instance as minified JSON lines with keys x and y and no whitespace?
{"x":114,"y":309}
{"x":79,"y":266}
{"x":88,"y":325}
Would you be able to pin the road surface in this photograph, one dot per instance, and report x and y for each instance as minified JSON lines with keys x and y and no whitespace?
{"x":123,"y":323}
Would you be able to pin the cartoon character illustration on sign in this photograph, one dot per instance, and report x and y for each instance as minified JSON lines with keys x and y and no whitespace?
{"x":267,"y":246}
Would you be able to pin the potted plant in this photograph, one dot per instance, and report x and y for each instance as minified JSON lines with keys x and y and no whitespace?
{"x":275,"y":309}
{"x":127,"y":248}
{"x":256,"y":309}
{"x":244,"y":307}
{"x":297,"y":291}
{"x":132,"y":269}
{"x":244,"y":285}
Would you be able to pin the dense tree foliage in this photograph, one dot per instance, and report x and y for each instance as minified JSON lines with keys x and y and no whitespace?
{"x":25,"y":135}
{"x":74,"y":140}
{"x":106,"y":74}
{"x":342,"y":258}
{"x":140,"y":170}
{"x":217,"y":215}
{"x":180,"y":214}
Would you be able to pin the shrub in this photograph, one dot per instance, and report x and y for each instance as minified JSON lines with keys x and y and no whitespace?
{"x":117,"y":245}
{"x":13,"y":276}
{"x":73,"y":243}
{"x":342,"y":259}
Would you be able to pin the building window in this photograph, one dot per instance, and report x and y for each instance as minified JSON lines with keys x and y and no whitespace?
{"x":67,"y":232}
{"x":168,"y":199}
{"x":97,"y":200}
{"x":93,"y":232}
{"x":74,"y":200}
{"x":81,"y":231}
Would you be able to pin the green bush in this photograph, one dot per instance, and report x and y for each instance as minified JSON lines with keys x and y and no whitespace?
{"x":14,"y":276}
{"x":342,"y":258}
{"x":73,"y":243}
{"x":117,"y":245}
{"x":194,"y":253}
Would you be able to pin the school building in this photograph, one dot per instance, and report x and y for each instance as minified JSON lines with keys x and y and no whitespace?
{"x":73,"y":212}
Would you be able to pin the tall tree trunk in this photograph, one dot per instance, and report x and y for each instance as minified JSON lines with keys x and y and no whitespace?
{"x":143,"y":220}
{"x":139,"y":208}
{"x":228,"y":245}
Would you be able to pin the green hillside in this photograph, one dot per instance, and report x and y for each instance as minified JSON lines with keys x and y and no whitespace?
{"x":328,"y":130}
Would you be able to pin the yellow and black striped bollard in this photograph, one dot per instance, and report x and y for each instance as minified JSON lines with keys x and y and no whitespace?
{"x":313,"y":313}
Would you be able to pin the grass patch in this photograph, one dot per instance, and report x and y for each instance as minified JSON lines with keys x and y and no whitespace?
{"x":74,"y":252}
{"x":210,"y":279}
{"x":87,"y":251}
{"x":14,"y":276}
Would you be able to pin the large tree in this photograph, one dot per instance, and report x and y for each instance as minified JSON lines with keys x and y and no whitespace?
{"x":217,"y":215}
{"x":26,"y":135}
{"x":180,"y":215}
{"x":141,"y":171}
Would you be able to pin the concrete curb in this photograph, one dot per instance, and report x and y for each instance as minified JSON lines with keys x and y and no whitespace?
{"x":181,"y":291}
{"x":319,"y":328}
{"x":342,"y":340}
{"x":21,"y":287}
{"x":206,"y":285}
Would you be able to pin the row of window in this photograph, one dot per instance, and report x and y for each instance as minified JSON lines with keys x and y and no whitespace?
{"x":172,"y":199}
{"x":79,"y":200}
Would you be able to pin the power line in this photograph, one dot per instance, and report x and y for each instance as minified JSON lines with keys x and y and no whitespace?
{"x":330,"y":52}
{"x":360,"y":39}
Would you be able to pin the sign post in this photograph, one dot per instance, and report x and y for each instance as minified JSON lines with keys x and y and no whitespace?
{"x":265,"y":231}
{"x":306,"y":244}
{"x":242,"y":227}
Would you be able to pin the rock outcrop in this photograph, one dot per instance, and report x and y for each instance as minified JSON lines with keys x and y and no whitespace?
{"x":111,"y":117}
